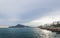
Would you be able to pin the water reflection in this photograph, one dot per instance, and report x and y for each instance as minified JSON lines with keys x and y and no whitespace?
{"x":26,"y":33}
{"x":40,"y":33}
{"x":46,"y":34}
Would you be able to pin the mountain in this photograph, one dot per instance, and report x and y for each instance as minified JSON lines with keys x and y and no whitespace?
{"x":18,"y":26}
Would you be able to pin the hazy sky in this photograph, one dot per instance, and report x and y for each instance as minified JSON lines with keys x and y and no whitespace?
{"x":29,"y":12}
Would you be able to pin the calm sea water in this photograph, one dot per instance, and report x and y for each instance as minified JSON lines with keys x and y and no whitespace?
{"x":27,"y":33}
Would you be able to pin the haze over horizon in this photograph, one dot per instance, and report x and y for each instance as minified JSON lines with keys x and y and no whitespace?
{"x":29,"y":12}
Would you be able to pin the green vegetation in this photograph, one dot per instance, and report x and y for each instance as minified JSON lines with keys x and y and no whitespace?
{"x":54,"y":24}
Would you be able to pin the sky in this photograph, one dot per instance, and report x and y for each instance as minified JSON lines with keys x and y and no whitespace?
{"x":29,"y":12}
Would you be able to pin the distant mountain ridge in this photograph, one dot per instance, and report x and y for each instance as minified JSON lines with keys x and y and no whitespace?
{"x":18,"y":26}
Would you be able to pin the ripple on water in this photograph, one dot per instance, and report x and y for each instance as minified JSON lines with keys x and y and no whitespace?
{"x":26,"y":33}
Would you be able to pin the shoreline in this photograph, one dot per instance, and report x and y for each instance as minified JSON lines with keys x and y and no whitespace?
{"x":57,"y":30}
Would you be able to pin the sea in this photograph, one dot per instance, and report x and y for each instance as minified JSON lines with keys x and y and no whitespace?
{"x":27,"y":33}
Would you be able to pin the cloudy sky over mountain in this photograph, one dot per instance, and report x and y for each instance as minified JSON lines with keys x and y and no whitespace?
{"x":29,"y":12}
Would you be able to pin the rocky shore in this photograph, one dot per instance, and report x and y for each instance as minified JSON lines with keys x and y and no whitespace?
{"x":57,"y":29}
{"x":53,"y":29}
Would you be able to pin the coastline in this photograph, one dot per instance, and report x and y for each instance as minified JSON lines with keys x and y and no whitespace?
{"x":57,"y":30}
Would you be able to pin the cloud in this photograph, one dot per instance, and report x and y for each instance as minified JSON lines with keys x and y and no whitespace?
{"x":47,"y":19}
{"x":42,"y":21}
{"x":26,"y":11}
